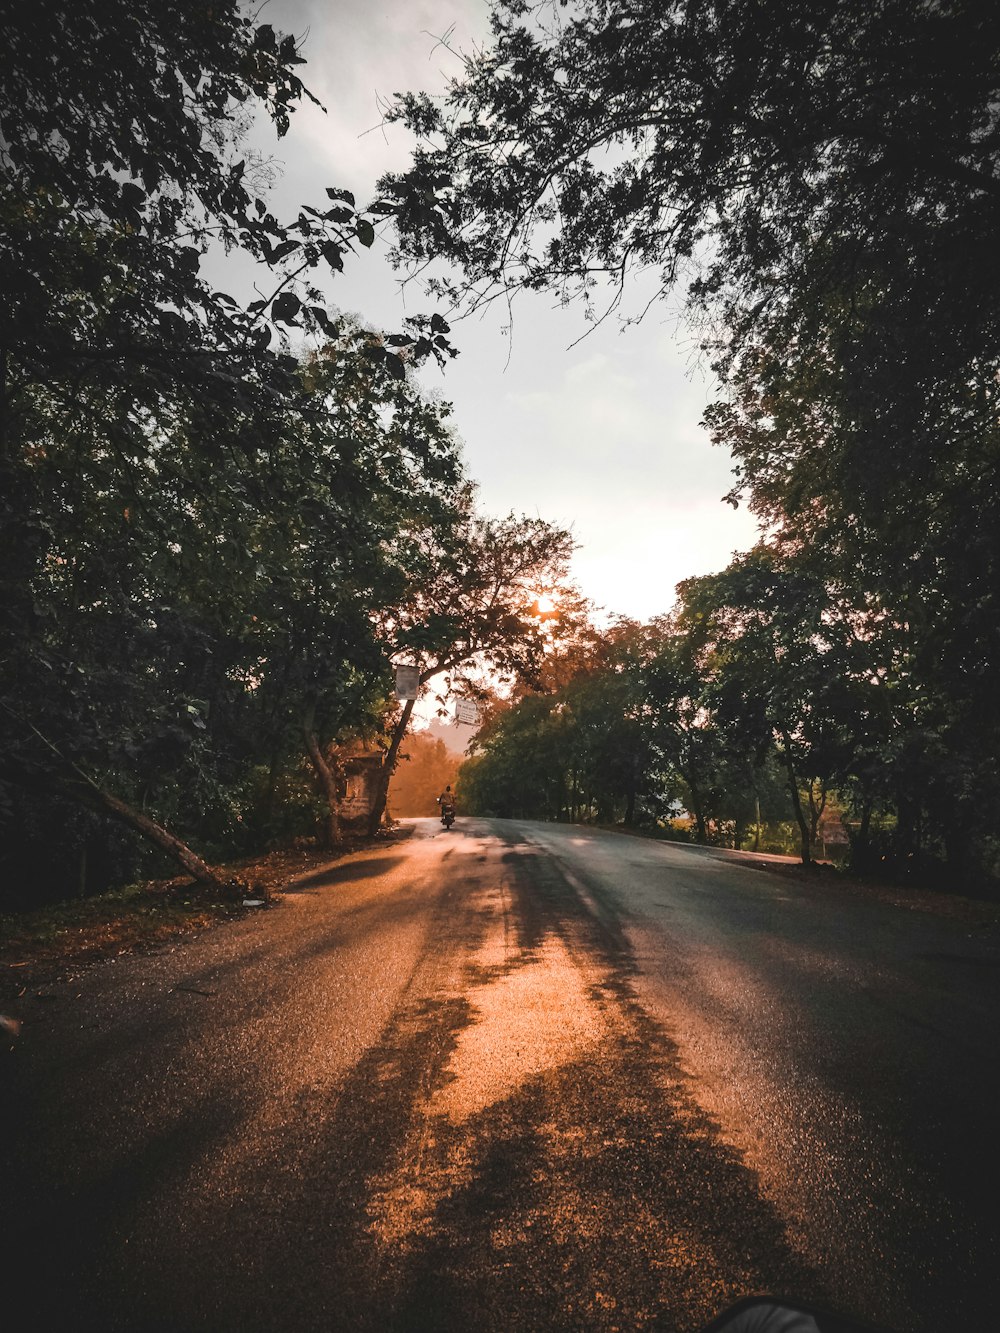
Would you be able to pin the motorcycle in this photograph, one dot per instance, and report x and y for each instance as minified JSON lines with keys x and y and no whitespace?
{"x":447,"y":816}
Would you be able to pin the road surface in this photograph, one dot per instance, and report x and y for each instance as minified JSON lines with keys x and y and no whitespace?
{"x":515,"y":1076}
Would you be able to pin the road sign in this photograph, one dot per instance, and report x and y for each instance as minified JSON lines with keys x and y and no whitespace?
{"x":407,"y":682}
{"x":466,"y":711}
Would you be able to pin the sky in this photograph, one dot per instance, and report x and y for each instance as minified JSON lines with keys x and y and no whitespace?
{"x":602,"y":436}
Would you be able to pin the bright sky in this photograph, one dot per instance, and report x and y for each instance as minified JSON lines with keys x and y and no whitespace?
{"x":602,"y":437}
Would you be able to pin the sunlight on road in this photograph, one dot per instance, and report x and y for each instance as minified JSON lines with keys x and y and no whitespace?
{"x":532,"y":1017}
{"x":530,"y":1020}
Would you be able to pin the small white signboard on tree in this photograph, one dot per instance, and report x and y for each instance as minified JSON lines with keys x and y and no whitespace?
{"x":407,"y":681}
{"x":466,"y":711}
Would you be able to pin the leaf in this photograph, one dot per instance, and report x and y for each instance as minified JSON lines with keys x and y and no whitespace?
{"x":282,"y":251}
{"x":285,"y":307}
{"x":333,"y":254}
{"x":365,"y":232}
{"x":323,"y":320}
{"x":341,"y":194}
{"x":133,"y":196}
{"x":394,"y":366}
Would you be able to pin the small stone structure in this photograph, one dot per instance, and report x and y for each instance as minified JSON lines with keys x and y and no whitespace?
{"x":360,"y":767}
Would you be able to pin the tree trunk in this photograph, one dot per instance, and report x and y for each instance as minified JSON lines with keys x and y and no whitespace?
{"x":84,"y":789}
{"x":267,"y":804}
{"x":701,"y":828}
{"x":816,"y":808}
{"x":793,"y":791}
{"x":861,"y":849}
{"x":332,"y":838}
{"x":154,"y":833}
{"x":697,"y":807}
{"x":388,"y":767}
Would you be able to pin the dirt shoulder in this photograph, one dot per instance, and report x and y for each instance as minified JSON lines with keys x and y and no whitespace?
{"x":41,"y":947}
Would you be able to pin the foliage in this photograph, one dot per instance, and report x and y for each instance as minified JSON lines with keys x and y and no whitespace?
{"x":598,"y":137}
{"x":121,"y":127}
{"x":473,"y":607}
{"x":427,"y":767}
{"x":199,"y":536}
{"x":824,"y":179}
{"x":576,"y":751}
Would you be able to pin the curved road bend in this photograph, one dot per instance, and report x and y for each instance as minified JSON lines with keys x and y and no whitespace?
{"x":515,"y":1076}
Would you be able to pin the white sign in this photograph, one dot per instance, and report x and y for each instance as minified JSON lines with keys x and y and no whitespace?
{"x":466,"y":711}
{"x":407,"y":682}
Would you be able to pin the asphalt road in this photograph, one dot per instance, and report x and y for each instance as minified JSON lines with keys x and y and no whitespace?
{"x":514,"y":1076}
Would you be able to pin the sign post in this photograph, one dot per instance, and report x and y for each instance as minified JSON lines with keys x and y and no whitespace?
{"x":407,"y":681}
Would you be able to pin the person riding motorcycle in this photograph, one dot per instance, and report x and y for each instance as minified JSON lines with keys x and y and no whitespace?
{"x":447,"y":803}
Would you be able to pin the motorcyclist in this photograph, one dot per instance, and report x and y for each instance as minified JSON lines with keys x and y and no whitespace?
{"x":447,"y":801}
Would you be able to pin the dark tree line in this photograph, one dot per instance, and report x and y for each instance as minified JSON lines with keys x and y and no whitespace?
{"x":764,"y":713}
{"x":221,"y":524}
{"x":825,"y":179}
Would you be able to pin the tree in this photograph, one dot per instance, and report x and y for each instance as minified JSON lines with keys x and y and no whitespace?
{"x":602,"y":137}
{"x":153,"y":433}
{"x":519,"y":763}
{"x":682,"y":730}
{"x":121,"y":127}
{"x":572,"y":745}
{"x":427,"y":767}
{"x":784,"y":664}
{"x":824,"y":177}
{"x":469,"y":604}
{"x":610,"y":755}
{"x":374,"y":471}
